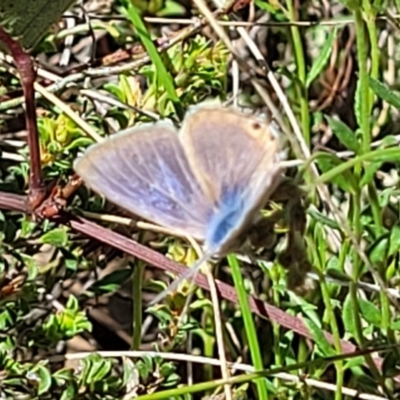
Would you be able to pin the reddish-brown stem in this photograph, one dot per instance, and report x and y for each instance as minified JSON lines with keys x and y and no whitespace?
{"x":17,"y":203}
{"x":129,"y":246}
{"x":24,"y":64}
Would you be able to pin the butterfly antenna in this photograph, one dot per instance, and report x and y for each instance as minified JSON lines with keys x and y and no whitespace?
{"x":188,"y":274}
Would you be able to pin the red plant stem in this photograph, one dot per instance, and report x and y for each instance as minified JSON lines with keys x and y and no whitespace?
{"x":24,"y":64}
{"x":16,"y":203}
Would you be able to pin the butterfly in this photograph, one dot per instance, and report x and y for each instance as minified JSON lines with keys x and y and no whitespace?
{"x":209,"y":180}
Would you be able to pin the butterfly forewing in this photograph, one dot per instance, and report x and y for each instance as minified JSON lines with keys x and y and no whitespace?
{"x":235,"y":158}
{"x":145,"y":170}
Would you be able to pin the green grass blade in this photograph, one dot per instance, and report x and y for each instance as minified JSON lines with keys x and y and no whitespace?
{"x":249,"y":325}
{"x":164,"y":78}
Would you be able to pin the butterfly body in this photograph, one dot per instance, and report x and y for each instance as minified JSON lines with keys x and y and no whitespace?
{"x":208,"y":181}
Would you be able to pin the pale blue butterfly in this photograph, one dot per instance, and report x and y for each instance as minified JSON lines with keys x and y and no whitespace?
{"x":208,"y":181}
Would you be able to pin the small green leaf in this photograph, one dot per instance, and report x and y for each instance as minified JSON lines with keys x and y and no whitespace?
{"x":348,"y":316}
{"x":345,"y":180}
{"x":346,"y":136}
{"x":129,"y":371}
{"x":172,"y":9}
{"x":87,"y":363}
{"x":57,"y":237}
{"x":395,"y":325}
{"x":45,"y":379}
{"x":384,"y":92}
{"x":369,"y":173}
{"x":27,"y":227}
{"x":103,"y":370}
{"x":201,"y":304}
{"x":69,"y":393}
{"x":72,"y":303}
{"x":308,"y":309}
{"x":389,"y":141}
{"x":96,"y":365}
{"x":370,"y":312}
{"x":145,"y":366}
{"x":166,"y":369}
{"x":173,"y":379}
{"x":337,"y":274}
{"x":266,"y":6}
{"x":322,"y":59}
{"x":322,"y":218}
{"x":80,"y":142}
{"x":111,"y":282}
{"x":29,"y":20}
{"x":379,"y":249}
{"x":319,"y":338}
{"x":354,"y":362}
{"x":394,"y":246}
{"x":71,"y":264}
